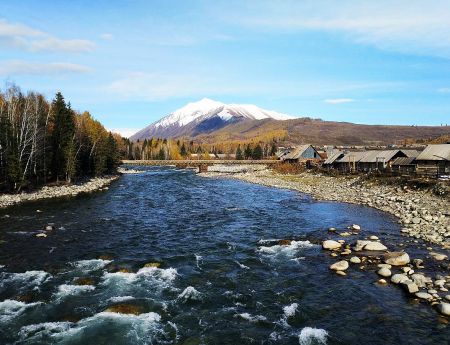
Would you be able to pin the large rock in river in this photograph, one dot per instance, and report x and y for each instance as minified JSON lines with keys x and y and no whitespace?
{"x":339,"y":266}
{"x":396,"y":258}
{"x":444,"y":308}
{"x":330,"y":245}
{"x":375,"y":246}
{"x":399,"y":278}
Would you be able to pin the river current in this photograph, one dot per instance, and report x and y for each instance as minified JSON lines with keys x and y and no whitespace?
{"x":223,"y":277}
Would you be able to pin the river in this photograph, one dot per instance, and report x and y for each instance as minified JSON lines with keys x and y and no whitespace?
{"x":223,"y":278}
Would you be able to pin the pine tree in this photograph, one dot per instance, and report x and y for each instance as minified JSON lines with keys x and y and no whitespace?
{"x":183,"y":151}
{"x":161,"y":155}
{"x":257,"y":152}
{"x":239,"y":153}
{"x":61,"y":138}
{"x":248,"y":152}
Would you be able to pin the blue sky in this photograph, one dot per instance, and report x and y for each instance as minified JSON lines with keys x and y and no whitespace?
{"x":131,"y":62}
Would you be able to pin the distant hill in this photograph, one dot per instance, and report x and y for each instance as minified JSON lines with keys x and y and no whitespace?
{"x":205,"y":116}
{"x":209,"y":121}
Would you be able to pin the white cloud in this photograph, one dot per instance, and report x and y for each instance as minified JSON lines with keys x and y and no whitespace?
{"x":125,"y":132}
{"x":339,"y":100}
{"x":19,"y":67}
{"x":26,"y":38}
{"x":156,"y":86}
{"x":107,"y":37}
{"x":403,"y":25}
{"x":159,"y":86}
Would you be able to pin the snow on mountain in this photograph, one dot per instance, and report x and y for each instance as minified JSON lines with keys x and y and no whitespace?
{"x":203,"y":116}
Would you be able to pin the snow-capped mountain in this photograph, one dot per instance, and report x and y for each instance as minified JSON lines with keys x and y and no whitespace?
{"x":205,"y":116}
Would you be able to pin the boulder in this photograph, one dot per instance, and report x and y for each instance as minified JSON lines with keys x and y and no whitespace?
{"x":360,"y":245}
{"x":330,"y":245}
{"x":410,"y":286}
{"x":444,"y":308}
{"x":84,"y":281}
{"x":399,"y":278}
{"x":374,"y":246}
{"x":355,"y":260}
{"x":153,"y":264}
{"x":424,"y":295}
{"x":418,"y":263}
{"x":125,"y":309}
{"x":339,"y":266}
{"x":438,"y":256}
{"x":420,"y":279}
{"x":284,"y":242}
{"x":384,"y":272}
{"x":396,"y":258}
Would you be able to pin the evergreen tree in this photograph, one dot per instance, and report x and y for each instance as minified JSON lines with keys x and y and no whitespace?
{"x":183,"y":151}
{"x":61,"y":138}
{"x":257,"y":152}
{"x":239,"y":153}
{"x":161,"y":155}
{"x":248,"y":152}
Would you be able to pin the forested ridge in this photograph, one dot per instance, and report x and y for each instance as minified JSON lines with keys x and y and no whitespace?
{"x":44,"y":142}
{"x":163,"y":149}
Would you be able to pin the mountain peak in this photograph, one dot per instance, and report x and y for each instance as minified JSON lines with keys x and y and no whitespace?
{"x":203,"y":116}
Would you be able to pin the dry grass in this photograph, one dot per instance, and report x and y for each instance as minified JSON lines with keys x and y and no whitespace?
{"x":288,"y":168}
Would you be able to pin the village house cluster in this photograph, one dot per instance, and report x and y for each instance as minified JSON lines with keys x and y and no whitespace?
{"x":431,"y":161}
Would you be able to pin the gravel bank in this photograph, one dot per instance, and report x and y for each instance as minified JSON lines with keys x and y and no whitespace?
{"x":422,"y":214}
{"x":57,"y":191}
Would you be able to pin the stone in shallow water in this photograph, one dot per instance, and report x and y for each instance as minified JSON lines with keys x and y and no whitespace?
{"x":41,"y":235}
{"x":339,"y":266}
{"x":153,"y":264}
{"x":424,"y":295}
{"x":384,"y":272}
{"x":284,"y":242}
{"x":355,"y":260}
{"x":105,"y":257}
{"x":375,"y":246}
{"x":360,"y":245}
{"x":399,"y":278}
{"x":84,"y":281}
{"x":330,"y":244}
{"x":126,"y":309}
{"x":438,"y":256}
{"x":444,"y":308}
{"x":410,"y":286}
{"x":420,"y":279}
{"x":396,"y":258}
{"x":356,"y":227}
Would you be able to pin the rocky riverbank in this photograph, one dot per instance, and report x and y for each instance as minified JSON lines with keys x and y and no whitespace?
{"x":422,"y":214}
{"x":47,"y":192}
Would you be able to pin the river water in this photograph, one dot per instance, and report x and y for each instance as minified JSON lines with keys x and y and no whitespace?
{"x":223,"y":278}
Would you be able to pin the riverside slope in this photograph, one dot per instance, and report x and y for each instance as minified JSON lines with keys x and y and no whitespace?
{"x":47,"y":192}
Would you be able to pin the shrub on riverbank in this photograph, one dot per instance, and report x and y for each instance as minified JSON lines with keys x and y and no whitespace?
{"x":42,"y":142}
